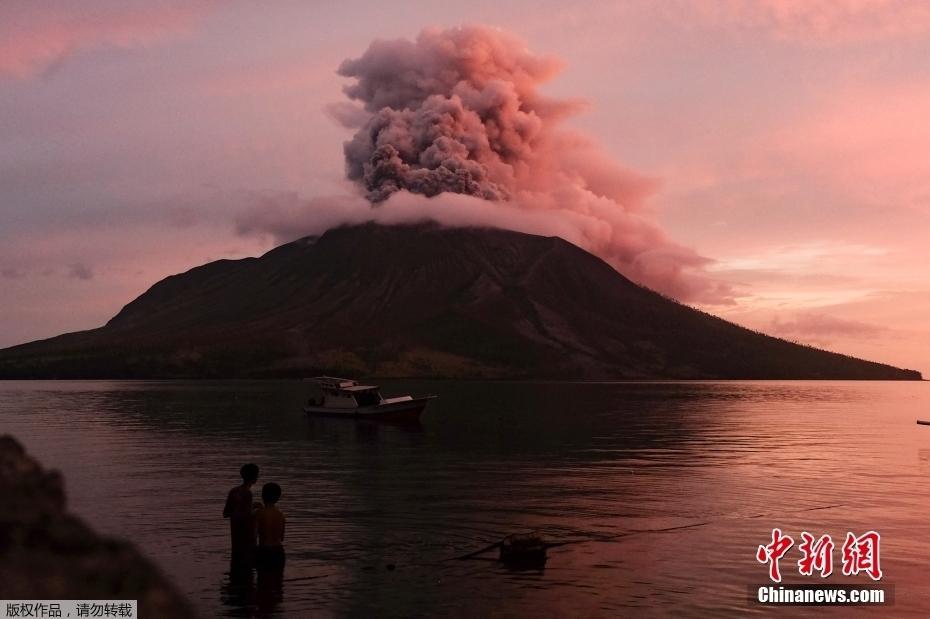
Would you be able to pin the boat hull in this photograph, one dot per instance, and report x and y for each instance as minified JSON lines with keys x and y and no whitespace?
{"x":407,"y":410}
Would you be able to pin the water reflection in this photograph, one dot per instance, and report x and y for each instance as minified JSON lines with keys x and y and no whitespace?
{"x":238,"y":590}
{"x":249,"y":592}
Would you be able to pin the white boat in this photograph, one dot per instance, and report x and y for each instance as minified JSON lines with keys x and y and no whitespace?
{"x":344,"y":397}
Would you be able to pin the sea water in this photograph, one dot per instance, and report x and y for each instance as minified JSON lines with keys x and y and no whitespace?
{"x":665,"y":490}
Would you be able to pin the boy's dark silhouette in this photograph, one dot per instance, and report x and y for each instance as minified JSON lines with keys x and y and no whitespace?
{"x":269,"y":522}
{"x":239,"y":511}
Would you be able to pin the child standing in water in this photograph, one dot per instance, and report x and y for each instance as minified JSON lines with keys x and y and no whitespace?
{"x":239,"y":511}
{"x":269,"y":522}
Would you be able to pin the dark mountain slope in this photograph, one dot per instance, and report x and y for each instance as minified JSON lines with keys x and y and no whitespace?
{"x":421,"y":301}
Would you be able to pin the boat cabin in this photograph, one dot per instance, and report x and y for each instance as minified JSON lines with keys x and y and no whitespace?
{"x":334,"y":392}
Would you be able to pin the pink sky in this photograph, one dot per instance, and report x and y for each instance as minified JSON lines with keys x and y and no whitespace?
{"x":788,"y":140}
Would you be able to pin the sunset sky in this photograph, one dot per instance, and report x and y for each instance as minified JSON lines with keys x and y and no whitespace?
{"x":783,"y":146}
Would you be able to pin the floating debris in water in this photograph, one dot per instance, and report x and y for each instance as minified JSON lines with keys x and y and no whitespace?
{"x":526,"y":550}
{"x":519,"y":550}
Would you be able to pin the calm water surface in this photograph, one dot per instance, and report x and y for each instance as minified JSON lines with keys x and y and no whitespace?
{"x":152,"y":462}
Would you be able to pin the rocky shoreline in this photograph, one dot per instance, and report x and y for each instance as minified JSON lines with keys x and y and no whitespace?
{"x":47,"y":553}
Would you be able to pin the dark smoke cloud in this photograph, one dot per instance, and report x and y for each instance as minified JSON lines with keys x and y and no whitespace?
{"x":457,"y":111}
{"x":454,"y":111}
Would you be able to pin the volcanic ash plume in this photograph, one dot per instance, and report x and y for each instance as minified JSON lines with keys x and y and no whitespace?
{"x":457,"y":111}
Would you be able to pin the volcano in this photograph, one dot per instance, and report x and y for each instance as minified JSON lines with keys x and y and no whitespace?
{"x":421,"y":301}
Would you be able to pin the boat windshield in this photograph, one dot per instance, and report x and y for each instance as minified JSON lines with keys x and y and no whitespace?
{"x":368,"y":398}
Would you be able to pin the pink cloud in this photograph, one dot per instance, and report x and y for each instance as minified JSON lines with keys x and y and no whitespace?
{"x":35,"y":36}
{"x":810,"y":22}
{"x":822,"y":328}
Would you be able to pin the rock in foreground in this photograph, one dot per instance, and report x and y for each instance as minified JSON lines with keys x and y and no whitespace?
{"x":46,"y":553}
